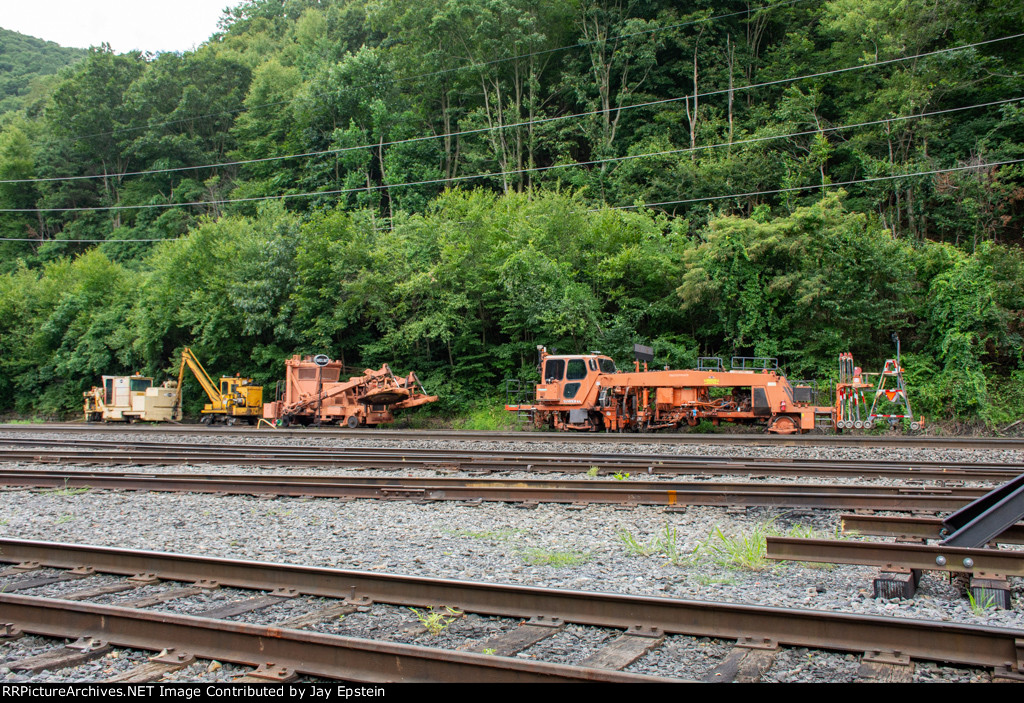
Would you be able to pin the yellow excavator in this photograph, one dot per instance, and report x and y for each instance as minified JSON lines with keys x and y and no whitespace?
{"x":234,"y":399}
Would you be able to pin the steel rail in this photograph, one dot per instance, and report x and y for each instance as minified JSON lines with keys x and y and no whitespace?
{"x":567,"y":437}
{"x":515,"y":490}
{"x":936,"y":641}
{"x":488,"y":461}
{"x":913,"y":528}
{"x":301,"y":651}
{"x":888,"y":554}
{"x":516,"y":457}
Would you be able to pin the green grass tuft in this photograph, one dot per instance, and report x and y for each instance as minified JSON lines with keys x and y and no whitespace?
{"x":665,"y":543}
{"x":542,"y":557}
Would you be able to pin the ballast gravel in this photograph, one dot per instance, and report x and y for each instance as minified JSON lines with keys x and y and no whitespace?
{"x":640,"y":550}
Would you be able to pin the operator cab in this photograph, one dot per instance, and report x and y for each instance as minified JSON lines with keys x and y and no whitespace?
{"x":569,"y":377}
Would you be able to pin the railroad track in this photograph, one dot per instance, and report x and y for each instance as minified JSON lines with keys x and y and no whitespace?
{"x":758,"y":439}
{"x":749,"y":494}
{"x":496,"y":623}
{"x":112,"y":452}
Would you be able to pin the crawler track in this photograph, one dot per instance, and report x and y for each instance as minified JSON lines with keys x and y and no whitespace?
{"x":756,"y":631}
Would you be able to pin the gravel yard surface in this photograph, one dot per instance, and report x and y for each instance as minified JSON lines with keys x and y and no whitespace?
{"x":640,"y":550}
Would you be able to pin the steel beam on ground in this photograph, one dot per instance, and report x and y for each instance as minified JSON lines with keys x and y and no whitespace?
{"x":913,"y":528}
{"x":929,"y":557}
{"x":987,"y":517}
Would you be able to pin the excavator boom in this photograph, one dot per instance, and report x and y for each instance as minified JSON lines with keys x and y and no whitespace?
{"x":236,"y":397}
{"x":189,"y":359}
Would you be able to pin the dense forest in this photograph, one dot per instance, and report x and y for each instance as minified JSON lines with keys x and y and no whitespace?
{"x":26,"y":65}
{"x":445,"y":184}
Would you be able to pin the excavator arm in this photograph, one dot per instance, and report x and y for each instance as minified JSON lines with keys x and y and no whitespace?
{"x":209,"y":387}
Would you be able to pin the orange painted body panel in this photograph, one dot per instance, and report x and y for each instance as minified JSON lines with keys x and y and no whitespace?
{"x":316,"y":394}
{"x":584,"y":392}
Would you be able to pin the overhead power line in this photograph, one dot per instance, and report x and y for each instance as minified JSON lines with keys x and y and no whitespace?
{"x":513,"y":125}
{"x":819,"y":186}
{"x":972,"y":167}
{"x":513,"y":172}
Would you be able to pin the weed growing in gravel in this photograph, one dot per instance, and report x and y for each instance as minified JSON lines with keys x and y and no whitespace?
{"x":620,"y":476}
{"x":437,"y":622}
{"x":3,"y":521}
{"x":490,"y":651}
{"x":594,"y":471}
{"x":743,"y":551}
{"x":541,"y":557}
{"x":979,"y":608}
{"x":64,"y":518}
{"x":636,"y":548}
{"x":666,"y":542}
{"x":749,"y":551}
{"x":66,"y":491}
{"x":489,"y":416}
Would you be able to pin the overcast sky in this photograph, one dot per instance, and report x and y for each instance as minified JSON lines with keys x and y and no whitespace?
{"x":147,"y":25}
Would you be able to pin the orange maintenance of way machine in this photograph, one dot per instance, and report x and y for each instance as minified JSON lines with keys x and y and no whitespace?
{"x":313,"y":393}
{"x":587,"y":392}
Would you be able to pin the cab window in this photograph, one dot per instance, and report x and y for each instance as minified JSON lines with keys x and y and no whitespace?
{"x":554,"y":369}
{"x":607,"y":365}
{"x":140,"y":384}
{"x":577,"y":370}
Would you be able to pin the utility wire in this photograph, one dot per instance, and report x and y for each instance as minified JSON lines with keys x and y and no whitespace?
{"x":818,"y":186}
{"x":512,"y":125}
{"x":534,"y":169}
{"x":973,"y":167}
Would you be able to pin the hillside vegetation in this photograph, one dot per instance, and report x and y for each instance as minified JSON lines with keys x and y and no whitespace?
{"x":446,"y":184}
{"x":23,"y":60}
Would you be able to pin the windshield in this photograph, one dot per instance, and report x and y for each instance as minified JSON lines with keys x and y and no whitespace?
{"x":140,"y":384}
{"x":607,"y":365}
{"x":554,"y":369}
{"x":577,"y":369}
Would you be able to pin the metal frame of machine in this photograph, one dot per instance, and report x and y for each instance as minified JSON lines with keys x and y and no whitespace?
{"x":313,"y":393}
{"x":587,"y":392}
{"x":851,"y":403}
{"x":127,"y":398}
{"x":234,"y":398}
